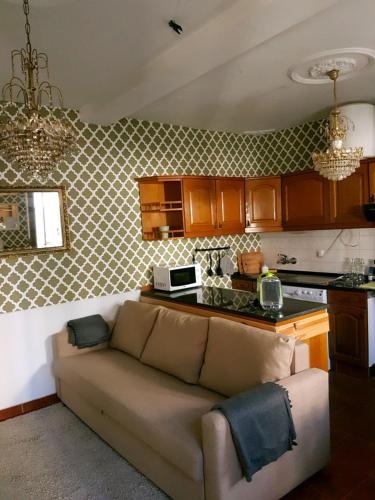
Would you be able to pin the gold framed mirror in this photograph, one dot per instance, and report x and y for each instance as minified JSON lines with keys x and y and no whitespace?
{"x":33,"y":220}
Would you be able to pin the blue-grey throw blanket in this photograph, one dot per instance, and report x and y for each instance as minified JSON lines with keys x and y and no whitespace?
{"x":261,"y":424}
{"x":88,"y":331}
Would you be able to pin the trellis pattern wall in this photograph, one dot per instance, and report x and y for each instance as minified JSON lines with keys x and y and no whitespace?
{"x":108,"y":255}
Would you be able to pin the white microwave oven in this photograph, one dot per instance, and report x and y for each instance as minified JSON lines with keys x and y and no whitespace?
{"x":172,"y":278}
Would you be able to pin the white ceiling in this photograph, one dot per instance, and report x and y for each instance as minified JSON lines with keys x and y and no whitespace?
{"x":227,"y":71}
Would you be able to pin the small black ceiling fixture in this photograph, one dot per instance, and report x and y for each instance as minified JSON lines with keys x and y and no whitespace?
{"x":176,"y":27}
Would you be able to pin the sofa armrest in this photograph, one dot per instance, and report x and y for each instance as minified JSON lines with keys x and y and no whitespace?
{"x":308,"y":392}
{"x":61,"y":347}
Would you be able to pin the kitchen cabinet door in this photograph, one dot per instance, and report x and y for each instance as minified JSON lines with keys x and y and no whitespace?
{"x":305,"y":200}
{"x":348,"y":320}
{"x":347,"y":198}
{"x":230,"y":203}
{"x":200,"y":207}
{"x":263,"y":204}
{"x":348,"y":329}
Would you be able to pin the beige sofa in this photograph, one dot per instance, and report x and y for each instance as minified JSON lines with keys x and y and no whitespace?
{"x":149,"y":394}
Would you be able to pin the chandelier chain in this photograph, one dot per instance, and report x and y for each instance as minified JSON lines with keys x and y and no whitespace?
{"x":26,"y":11}
{"x":334,"y":94}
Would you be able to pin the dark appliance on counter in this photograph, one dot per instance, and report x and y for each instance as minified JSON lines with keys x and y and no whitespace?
{"x":369,"y":211}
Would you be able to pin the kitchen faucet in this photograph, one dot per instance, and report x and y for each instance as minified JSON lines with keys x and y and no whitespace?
{"x":284,"y":259}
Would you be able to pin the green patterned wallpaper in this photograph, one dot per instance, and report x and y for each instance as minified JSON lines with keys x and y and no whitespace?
{"x":108,"y":255}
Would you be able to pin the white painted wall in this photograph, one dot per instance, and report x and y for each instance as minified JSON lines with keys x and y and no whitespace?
{"x":304,"y":246}
{"x":26,"y":346}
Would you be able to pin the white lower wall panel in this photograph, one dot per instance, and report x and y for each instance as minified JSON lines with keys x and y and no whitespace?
{"x":26,"y":345}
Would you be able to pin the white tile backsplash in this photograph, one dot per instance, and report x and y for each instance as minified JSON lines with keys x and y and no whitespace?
{"x":304,"y":245}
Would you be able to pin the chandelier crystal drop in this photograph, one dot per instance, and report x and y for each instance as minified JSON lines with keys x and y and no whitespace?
{"x":34,"y":140}
{"x":337,"y":162}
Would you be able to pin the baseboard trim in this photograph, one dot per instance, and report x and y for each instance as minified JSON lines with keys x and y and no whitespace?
{"x":35,"y":404}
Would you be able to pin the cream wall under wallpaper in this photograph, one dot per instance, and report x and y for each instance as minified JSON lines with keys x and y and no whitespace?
{"x":109,"y":259}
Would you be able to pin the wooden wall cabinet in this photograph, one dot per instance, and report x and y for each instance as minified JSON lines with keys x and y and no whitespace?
{"x":347,"y":198}
{"x":161,"y":205}
{"x":305,"y":200}
{"x":309,"y":201}
{"x":263,"y":204}
{"x":200,"y":206}
{"x":213,"y":207}
{"x":230,"y":205}
{"x":348,"y":331}
{"x":192,"y":206}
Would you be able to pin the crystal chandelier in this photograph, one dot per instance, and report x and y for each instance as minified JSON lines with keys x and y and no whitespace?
{"x":30,"y":141}
{"x":337,"y":162}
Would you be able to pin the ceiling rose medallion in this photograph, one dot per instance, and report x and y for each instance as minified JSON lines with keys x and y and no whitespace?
{"x":338,"y":161}
{"x":33,"y":141}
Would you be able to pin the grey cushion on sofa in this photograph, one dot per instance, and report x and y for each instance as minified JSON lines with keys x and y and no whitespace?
{"x":239,"y":357}
{"x":133,"y":327}
{"x":177,"y":344}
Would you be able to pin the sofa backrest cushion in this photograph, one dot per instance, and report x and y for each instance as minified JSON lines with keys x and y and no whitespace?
{"x":177,"y":344}
{"x":239,"y":357}
{"x":133,"y":327}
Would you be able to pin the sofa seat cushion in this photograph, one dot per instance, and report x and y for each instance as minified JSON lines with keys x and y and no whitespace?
{"x":157,"y":408}
{"x":239,"y":357}
{"x":177,"y":344}
{"x":133,"y":327}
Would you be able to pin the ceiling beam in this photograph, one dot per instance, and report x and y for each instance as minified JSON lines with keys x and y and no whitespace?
{"x":243,"y":26}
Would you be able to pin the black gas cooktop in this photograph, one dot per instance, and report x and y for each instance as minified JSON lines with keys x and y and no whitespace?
{"x":310,"y":279}
{"x":306,"y":278}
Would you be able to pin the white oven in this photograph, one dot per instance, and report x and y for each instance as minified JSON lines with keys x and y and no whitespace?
{"x":305,"y":293}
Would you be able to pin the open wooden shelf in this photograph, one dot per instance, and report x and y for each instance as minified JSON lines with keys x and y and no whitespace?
{"x":161,"y":205}
{"x":155,"y":235}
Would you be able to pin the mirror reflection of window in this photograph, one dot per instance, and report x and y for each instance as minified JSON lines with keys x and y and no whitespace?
{"x":9,"y":219}
{"x":47,"y":219}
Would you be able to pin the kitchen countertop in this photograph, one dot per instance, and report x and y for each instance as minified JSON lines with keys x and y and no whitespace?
{"x":305,"y":279}
{"x":237,"y":302}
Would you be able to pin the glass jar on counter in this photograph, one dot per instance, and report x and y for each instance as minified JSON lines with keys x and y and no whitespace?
{"x":271,"y":293}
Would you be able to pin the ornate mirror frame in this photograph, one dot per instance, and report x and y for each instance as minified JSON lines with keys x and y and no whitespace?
{"x":64,"y":220}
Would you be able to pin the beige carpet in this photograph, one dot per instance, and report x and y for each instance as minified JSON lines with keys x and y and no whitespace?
{"x":50,"y":454}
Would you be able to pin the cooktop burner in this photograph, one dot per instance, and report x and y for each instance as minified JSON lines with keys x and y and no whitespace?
{"x":314,"y":279}
{"x":349,"y":280}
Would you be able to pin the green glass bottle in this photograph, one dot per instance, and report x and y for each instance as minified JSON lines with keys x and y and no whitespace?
{"x":271,"y":293}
